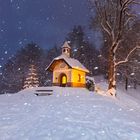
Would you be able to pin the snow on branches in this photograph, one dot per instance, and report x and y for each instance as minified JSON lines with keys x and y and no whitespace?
{"x":127,"y":57}
{"x":114,"y":18}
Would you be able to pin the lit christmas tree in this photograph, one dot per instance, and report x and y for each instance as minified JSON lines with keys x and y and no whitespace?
{"x":32,"y":78}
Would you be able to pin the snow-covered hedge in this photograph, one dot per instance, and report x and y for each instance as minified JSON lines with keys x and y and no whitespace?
{"x":90,"y":83}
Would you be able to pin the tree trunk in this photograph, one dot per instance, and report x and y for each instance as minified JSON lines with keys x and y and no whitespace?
{"x":112,"y":74}
{"x":135,"y":84}
{"x":126,"y":82}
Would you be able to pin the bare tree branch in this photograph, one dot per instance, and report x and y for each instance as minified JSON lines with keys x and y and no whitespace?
{"x":130,"y":18}
{"x":114,"y":16}
{"x":106,"y":29}
{"x":127,"y":57}
{"x":136,"y":2}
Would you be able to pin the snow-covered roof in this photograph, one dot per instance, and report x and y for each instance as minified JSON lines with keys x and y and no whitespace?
{"x":66,"y":45}
{"x":73,"y":63}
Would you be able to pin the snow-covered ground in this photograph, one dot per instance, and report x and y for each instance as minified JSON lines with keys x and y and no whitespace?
{"x":69,"y":114}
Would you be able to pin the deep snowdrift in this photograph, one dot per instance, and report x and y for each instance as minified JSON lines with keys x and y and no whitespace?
{"x":68,"y":114}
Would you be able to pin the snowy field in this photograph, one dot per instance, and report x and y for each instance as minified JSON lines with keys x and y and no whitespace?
{"x":69,"y":114}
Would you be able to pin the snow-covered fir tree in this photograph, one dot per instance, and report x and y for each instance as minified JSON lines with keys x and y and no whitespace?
{"x":32,"y":78}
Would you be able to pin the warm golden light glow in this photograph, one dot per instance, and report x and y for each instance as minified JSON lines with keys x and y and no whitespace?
{"x":64,"y":80}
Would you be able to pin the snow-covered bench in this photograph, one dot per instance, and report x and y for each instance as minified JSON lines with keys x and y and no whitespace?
{"x":43,"y":92}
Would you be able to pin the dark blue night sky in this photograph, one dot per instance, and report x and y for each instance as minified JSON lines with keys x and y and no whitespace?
{"x":45,"y":22}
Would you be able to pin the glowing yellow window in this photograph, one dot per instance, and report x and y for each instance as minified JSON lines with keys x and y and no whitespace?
{"x":79,"y":78}
{"x":64,"y":79}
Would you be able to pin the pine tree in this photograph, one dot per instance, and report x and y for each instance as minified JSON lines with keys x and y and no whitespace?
{"x":15,"y":70}
{"x":82,"y":49}
{"x":32,"y":78}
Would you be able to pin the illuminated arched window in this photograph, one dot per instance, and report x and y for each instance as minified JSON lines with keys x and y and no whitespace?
{"x":64,"y":79}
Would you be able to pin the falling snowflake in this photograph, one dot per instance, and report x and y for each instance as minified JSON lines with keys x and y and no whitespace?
{"x":100,"y":55}
{"x":2,"y":30}
{"x":19,"y":28}
{"x":20,"y":43}
{"x":95,"y":68}
{"x":18,"y":7}
{"x":132,"y":74}
{"x":5,"y":52}
{"x":47,"y":18}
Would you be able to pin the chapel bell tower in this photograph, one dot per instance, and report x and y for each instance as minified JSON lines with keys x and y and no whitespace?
{"x":66,"y":49}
